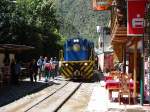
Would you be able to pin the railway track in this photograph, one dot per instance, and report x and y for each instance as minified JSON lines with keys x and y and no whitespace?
{"x":50,"y":100}
{"x":67,"y":98}
{"x":57,"y":100}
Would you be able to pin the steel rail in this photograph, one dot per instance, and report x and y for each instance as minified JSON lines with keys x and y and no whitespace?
{"x":46,"y":97}
{"x":67,"y":98}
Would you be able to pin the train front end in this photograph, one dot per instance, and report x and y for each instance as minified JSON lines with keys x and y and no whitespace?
{"x":77,"y":60}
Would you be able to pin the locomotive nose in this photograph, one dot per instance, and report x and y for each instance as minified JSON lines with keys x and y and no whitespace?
{"x":76,"y":66}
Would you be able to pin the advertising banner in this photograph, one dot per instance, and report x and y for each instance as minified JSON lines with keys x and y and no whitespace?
{"x":100,"y":5}
{"x":135,"y":17}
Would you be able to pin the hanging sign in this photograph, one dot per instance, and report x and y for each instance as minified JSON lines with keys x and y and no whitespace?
{"x":135,"y":17}
{"x":101,"y":5}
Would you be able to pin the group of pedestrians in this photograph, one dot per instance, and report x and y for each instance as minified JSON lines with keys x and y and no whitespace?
{"x":43,"y":67}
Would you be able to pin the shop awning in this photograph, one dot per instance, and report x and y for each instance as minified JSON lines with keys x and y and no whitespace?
{"x":14,"y":48}
{"x":119,"y":34}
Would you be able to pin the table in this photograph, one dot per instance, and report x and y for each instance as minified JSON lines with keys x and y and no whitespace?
{"x":108,"y":78}
{"x":114,"y":85}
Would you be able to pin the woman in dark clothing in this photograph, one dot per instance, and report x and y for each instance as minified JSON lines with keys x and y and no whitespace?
{"x":33,"y":70}
{"x":12,"y":70}
{"x":17,"y":71}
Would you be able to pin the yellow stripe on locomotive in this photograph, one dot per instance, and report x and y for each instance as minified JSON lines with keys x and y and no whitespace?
{"x":78,"y":70}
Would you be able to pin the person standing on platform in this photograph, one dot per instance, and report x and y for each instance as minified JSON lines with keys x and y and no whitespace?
{"x":40,"y":67}
{"x":33,"y":70}
{"x":17,"y":71}
{"x":12,"y":70}
{"x":52,"y":71}
{"x":55,"y":63}
{"x":47,"y":69}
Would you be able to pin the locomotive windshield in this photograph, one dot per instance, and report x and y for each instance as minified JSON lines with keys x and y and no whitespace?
{"x":77,"y":49}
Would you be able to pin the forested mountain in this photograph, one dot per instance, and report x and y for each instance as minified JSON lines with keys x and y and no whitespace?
{"x":45,"y":24}
{"x":78,"y":16}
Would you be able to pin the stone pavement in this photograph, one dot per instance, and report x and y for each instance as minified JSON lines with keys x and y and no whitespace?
{"x":100,"y":103}
{"x":14,"y":92}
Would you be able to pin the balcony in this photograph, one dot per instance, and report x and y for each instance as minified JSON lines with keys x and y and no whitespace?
{"x":119,"y":22}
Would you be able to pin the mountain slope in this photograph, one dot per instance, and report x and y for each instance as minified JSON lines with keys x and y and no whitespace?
{"x":78,"y":16}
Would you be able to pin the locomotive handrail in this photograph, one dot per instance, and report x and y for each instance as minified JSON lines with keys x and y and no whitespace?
{"x":61,"y":58}
{"x":91,"y":56}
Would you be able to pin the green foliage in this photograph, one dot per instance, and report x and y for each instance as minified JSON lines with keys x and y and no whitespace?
{"x":39,"y":13}
{"x":6,"y":15}
{"x":30,"y":22}
{"x":77,"y":16}
{"x":46,"y":24}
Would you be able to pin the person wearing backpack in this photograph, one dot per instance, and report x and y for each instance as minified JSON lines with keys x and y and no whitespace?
{"x":47,"y":68}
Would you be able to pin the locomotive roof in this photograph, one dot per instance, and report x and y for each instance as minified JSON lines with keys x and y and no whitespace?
{"x":89,"y":43}
{"x":80,"y":38}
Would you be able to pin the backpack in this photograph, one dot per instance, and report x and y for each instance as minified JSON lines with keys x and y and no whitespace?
{"x":48,"y":67}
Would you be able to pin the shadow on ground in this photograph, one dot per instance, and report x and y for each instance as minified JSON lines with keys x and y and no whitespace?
{"x":13,"y":92}
{"x":97,"y":77}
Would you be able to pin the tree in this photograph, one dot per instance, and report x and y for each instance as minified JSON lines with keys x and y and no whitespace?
{"x":29,"y":22}
{"x":6,"y":9}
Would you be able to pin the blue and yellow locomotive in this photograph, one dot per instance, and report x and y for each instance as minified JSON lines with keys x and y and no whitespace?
{"x":77,"y":59}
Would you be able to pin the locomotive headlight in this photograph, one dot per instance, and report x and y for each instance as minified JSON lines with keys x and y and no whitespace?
{"x":66,"y":64}
{"x":76,"y":40}
{"x":85,"y":64}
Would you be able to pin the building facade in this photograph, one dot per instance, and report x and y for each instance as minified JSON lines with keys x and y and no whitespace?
{"x":130,"y":48}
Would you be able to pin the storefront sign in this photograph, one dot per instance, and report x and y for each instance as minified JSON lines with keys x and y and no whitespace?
{"x":101,"y":5}
{"x":135,"y":17}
